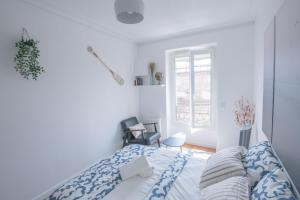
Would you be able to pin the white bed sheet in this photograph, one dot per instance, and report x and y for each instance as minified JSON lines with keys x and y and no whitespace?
{"x":186,"y":186}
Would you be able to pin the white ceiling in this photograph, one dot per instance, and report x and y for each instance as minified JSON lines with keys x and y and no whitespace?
{"x":163,"y":18}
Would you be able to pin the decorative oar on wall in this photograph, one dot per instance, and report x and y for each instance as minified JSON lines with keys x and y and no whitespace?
{"x":116,"y":76}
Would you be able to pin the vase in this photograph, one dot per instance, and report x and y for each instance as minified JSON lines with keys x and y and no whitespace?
{"x":151,"y":73}
{"x":245,"y":134}
{"x":152,"y":79}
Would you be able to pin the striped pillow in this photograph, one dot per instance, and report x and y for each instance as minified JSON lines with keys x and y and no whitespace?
{"x":222,"y":165}
{"x":234,"y":188}
{"x":236,"y":151}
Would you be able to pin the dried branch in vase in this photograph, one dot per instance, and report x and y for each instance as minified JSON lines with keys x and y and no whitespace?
{"x":244,"y":114}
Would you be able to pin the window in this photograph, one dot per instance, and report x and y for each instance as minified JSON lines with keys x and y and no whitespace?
{"x":193,"y":88}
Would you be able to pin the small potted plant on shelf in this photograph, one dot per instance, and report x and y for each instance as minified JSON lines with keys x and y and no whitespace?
{"x":244,"y":115}
{"x":159,"y":77}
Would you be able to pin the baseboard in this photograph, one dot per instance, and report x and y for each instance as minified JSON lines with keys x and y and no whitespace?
{"x":47,"y":193}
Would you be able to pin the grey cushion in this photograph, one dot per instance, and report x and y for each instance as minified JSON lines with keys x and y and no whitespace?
{"x":129,"y":122}
{"x":150,"y":137}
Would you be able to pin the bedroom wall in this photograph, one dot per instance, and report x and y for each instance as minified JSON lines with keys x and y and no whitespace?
{"x":235,"y":77}
{"x":54,"y":127}
{"x":265,"y":13}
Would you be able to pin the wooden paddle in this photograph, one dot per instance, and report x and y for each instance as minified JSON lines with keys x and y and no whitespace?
{"x":116,"y":76}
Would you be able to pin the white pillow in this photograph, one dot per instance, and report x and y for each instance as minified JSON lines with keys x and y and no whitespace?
{"x":273,"y":186}
{"x":138,"y":166}
{"x":222,"y":165}
{"x":234,"y":188}
{"x":138,"y":126}
{"x":258,"y":161}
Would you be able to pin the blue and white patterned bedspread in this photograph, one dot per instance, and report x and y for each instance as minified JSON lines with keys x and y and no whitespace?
{"x":102,"y":178}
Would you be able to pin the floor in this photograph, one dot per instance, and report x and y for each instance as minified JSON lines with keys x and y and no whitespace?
{"x":194,"y":150}
{"x":198,"y":148}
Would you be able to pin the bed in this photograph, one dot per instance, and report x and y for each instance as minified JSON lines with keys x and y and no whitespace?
{"x":175,"y":177}
{"x":233,"y":173}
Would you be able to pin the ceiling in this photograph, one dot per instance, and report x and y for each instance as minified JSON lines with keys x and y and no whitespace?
{"x":163,"y":18}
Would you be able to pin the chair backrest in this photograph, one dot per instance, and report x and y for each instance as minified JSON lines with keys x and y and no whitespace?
{"x":129,"y":122}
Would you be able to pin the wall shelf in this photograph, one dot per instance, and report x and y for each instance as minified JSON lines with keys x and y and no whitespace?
{"x":162,"y":85}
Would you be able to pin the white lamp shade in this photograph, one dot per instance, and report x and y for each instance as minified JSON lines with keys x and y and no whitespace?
{"x":129,"y":11}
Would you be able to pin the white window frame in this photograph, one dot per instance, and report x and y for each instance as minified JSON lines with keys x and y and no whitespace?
{"x":191,"y":54}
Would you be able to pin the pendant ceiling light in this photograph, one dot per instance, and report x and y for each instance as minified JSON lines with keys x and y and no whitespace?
{"x":129,"y":11}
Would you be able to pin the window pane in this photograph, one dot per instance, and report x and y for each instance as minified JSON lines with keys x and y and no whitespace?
{"x":182,"y":69}
{"x":202,"y":90}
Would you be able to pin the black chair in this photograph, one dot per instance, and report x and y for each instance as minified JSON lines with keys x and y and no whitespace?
{"x":146,"y":138}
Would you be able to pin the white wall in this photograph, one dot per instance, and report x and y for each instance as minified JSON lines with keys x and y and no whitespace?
{"x":69,"y":118}
{"x":155,"y":107}
{"x":265,"y":14}
{"x":235,"y":77}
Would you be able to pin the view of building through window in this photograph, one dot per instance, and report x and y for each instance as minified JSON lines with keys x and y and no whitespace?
{"x":193,"y":89}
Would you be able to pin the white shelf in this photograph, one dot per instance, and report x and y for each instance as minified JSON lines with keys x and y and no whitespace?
{"x":162,"y":85}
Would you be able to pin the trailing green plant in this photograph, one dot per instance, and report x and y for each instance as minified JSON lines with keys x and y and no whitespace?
{"x":27,"y":59}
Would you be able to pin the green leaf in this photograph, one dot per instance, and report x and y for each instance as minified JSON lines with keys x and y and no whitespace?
{"x":27,"y":59}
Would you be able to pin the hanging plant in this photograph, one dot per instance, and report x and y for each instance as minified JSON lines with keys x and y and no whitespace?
{"x":27,"y":58}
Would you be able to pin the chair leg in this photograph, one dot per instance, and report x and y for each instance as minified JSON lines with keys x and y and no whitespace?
{"x":124,"y":142}
{"x":158,"y":142}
